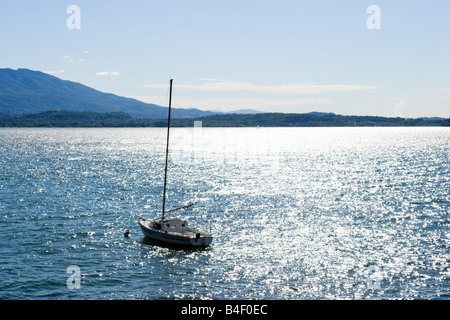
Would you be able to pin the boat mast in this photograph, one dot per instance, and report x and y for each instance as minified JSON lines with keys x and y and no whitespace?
{"x":167,"y":151}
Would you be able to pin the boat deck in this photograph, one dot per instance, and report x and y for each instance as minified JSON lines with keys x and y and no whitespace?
{"x":163,"y":231}
{"x":186,"y":232}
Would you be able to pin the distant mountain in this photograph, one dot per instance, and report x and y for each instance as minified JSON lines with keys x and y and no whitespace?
{"x":246,"y":111}
{"x":24,"y":91}
{"x":240,"y":111}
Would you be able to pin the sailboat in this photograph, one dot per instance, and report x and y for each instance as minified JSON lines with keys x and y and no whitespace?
{"x":173,"y":230}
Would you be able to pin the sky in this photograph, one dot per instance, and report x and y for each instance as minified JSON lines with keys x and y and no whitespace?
{"x":352,"y":57}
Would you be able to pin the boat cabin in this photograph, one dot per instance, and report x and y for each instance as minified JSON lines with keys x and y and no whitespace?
{"x":172,"y":225}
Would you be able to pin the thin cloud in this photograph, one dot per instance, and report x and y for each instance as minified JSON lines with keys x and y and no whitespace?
{"x":107,"y":73}
{"x":211,"y":79}
{"x":229,"y":104}
{"x":55,"y":72}
{"x":438,"y":89}
{"x":271,"y":105}
{"x":68,"y":58}
{"x":309,"y":88}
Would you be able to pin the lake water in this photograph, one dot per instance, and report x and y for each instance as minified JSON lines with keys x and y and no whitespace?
{"x":297,"y":213}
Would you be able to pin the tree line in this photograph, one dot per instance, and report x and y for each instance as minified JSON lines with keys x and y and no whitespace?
{"x":121,"y":119}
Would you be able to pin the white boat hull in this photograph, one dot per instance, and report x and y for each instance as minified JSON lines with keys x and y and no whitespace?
{"x":158,"y":230}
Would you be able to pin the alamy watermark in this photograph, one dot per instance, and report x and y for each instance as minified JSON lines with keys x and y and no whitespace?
{"x":74,"y":280}
{"x":74,"y":20}
{"x":374,"y":278}
{"x":373,"y":22}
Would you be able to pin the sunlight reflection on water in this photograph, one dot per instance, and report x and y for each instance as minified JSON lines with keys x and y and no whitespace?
{"x":297,"y":213}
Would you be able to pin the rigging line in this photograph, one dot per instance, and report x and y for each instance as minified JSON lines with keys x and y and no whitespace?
{"x":183,"y":207}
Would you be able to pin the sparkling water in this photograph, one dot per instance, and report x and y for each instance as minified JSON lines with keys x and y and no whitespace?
{"x":296,"y":213}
